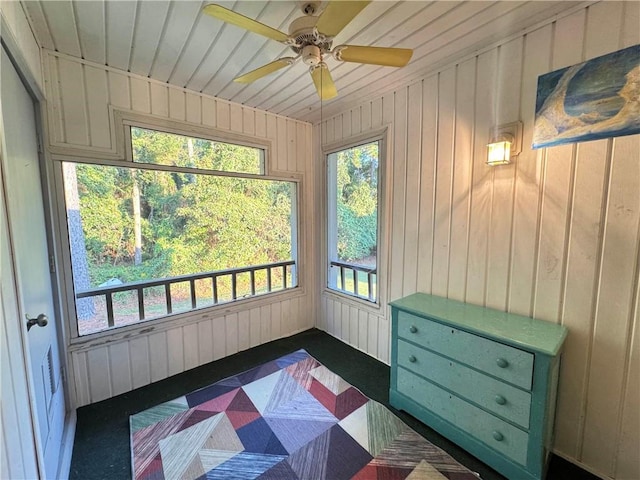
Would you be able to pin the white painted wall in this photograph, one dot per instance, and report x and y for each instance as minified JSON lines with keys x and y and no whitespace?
{"x":81,"y":96}
{"x":554,"y":235}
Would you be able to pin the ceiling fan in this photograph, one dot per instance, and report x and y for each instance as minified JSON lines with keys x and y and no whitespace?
{"x":311,"y":37}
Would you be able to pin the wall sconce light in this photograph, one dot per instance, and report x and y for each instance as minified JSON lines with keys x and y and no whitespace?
{"x":505,"y":142}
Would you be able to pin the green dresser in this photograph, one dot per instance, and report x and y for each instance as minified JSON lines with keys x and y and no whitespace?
{"x":485,"y":379}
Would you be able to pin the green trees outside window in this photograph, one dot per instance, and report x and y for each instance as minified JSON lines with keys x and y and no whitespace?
{"x":352,"y":228}
{"x":138,"y":222}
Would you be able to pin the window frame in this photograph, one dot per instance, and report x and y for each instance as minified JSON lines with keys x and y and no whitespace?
{"x":380,"y":136}
{"x":123,"y":158}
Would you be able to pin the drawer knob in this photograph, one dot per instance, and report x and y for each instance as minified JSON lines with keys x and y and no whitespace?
{"x":497,"y":436}
{"x":413,"y":329}
{"x":502,"y":363}
{"x":412,"y":359}
{"x":500,"y":400}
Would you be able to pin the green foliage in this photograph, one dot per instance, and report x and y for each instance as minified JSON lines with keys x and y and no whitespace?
{"x":189,"y":222}
{"x":357,"y":202}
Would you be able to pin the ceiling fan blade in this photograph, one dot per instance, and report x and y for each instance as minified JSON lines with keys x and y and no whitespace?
{"x":337,"y":15}
{"x":390,"y":57}
{"x":323,"y":82}
{"x":247,"y":23}
{"x":264,"y":70}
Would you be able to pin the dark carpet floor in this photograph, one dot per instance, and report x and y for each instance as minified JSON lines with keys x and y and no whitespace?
{"x":101,"y":448}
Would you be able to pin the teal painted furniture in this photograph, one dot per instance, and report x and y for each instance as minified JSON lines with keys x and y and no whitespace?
{"x":485,"y":379}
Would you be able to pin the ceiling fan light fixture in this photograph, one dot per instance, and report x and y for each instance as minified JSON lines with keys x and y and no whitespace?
{"x":311,"y":55}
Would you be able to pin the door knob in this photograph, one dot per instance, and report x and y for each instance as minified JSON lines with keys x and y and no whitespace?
{"x":41,"y":320}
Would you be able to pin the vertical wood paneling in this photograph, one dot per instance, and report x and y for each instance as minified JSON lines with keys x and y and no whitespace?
{"x":507,"y":111}
{"x":482,"y":185}
{"x":629,"y":434}
{"x":177,"y":104}
{"x":398,"y":192}
{"x":244,"y":341}
{"x":427,"y":182}
{"x":442,"y":185}
{"x":345,"y":317}
{"x":363,"y":325}
{"x":630,"y":33}
{"x":175,"y":351}
{"x":191,"y":343}
{"x":97,"y":102}
{"x":119,"y":94}
{"x":384,"y":337}
{"x":158,"y":356}
{"x":353,"y":325}
{"x":276,"y":320}
{"x":231,"y":329}
{"x":159,"y":100}
{"x":537,"y":52}
{"x":248,"y":121}
{"x":260,"y":119}
{"x":280,"y":162}
{"x":99,"y":374}
{"x":254,"y":327}
{"x":462,"y":164}
{"x":140,"y":368}
{"x":615,"y":294}
{"x":81,"y":374}
{"x":205,"y":345}
{"x":194,"y":108}
{"x":140,"y":96}
{"x":555,"y":234}
{"x":120,"y":364}
{"x":584,"y":240}
{"x":412,"y":196}
{"x":265,"y":323}
{"x":365,"y":117}
{"x":557,"y":181}
{"x":235,"y":119}
{"x":55,"y":107}
{"x":291,"y":146}
{"x":74,"y":113}
{"x":219,"y":338}
{"x":372,"y":340}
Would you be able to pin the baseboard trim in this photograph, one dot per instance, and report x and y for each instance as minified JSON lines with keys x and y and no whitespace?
{"x":66,"y":450}
{"x":584,"y":467}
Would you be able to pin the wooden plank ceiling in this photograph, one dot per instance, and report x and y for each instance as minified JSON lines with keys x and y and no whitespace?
{"x":174,"y":42}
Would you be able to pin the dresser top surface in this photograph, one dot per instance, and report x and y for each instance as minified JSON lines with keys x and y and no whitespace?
{"x":528,"y":333}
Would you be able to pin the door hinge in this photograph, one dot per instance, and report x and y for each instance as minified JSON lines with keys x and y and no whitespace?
{"x":52,"y":264}
{"x":39,"y":141}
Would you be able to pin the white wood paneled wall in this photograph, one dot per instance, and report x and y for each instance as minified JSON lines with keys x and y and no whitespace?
{"x":555,"y":235}
{"x":80,"y":95}
{"x":15,"y":31}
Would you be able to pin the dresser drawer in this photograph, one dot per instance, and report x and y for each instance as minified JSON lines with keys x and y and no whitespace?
{"x":492,"y":431}
{"x":494,"y":395}
{"x":502,"y":361}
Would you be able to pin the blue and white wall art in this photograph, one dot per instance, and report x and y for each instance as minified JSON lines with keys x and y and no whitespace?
{"x":596,"y":99}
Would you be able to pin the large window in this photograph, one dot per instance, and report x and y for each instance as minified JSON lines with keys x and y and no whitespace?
{"x":190,"y":223}
{"x":352,"y":240}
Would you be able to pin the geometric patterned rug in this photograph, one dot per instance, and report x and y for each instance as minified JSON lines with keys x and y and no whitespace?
{"x":290,"y":418}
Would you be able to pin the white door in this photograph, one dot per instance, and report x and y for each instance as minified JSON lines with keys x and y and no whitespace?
{"x":29,"y":248}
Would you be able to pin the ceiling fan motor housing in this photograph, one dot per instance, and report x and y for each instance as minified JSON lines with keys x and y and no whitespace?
{"x":302,"y":31}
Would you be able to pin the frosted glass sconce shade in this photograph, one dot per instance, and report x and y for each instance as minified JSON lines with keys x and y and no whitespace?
{"x":505,"y":143}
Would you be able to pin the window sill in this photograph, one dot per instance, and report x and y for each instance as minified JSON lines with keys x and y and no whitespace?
{"x":375,"y":308}
{"x":105,"y":337}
